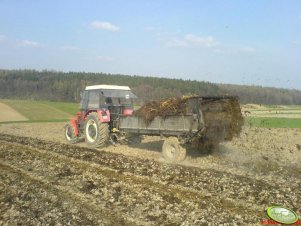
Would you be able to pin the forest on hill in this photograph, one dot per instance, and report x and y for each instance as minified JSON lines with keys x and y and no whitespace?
{"x":66,"y":86}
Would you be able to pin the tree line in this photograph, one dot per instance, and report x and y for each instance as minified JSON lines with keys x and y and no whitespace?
{"x":66,"y":86}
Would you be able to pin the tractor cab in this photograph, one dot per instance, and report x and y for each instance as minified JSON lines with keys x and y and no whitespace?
{"x":117,"y":99}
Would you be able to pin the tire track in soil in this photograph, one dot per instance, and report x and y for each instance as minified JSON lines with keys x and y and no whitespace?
{"x":200,"y":189}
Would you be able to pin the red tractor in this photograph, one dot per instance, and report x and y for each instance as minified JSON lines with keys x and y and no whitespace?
{"x":100,"y":109}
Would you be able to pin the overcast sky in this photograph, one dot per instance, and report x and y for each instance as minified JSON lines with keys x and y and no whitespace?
{"x":254,"y":42}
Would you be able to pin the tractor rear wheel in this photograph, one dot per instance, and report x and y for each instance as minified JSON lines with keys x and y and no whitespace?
{"x":172,"y":150}
{"x":96,"y":132}
{"x":70,"y":134}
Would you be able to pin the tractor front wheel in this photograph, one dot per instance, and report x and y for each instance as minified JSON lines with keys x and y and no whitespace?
{"x":96,"y":132}
{"x":172,"y":150}
{"x":70,"y":134}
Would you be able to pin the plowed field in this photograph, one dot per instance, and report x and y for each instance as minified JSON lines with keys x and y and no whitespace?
{"x":44,"y":181}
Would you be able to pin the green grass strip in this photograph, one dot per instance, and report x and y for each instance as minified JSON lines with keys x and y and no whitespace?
{"x":274,"y":122}
{"x":43,"y":110}
{"x":37,"y":121}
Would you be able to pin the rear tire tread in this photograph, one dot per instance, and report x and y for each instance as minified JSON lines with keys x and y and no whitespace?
{"x":102,"y":131}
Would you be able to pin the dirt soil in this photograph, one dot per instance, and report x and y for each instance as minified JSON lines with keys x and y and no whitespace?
{"x":44,"y":181}
{"x":9,"y":114}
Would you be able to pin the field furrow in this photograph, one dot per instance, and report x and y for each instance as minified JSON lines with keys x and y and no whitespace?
{"x":122,"y":190}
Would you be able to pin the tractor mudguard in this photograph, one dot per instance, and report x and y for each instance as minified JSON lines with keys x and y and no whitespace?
{"x":73,"y":122}
{"x":104,"y":116}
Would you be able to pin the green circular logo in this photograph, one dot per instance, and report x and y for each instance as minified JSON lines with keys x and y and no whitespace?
{"x":282,"y":214}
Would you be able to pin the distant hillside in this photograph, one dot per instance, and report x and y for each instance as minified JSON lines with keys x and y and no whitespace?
{"x":61,"y":86}
{"x":263,"y":95}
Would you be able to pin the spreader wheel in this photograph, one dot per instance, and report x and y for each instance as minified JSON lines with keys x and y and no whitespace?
{"x":172,"y":150}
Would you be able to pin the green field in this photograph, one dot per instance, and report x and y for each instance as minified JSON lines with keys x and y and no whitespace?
{"x":43,"y":111}
{"x":273,"y":116}
{"x":274,"y":122}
